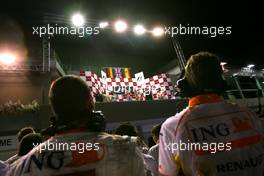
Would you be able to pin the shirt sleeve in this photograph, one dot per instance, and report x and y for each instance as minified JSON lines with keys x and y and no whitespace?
{"x":154,"y":152}
{"x":167,"y":164}
{"x":138,"y":163}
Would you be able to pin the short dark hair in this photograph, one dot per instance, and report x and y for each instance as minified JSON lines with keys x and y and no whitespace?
{"x":126,"y":129}
{"x":24,"y":131}
{"x":70,"y":95}
{"x":204,"y":73}
{"x":28,"y":142}
{"x":156,"y":130}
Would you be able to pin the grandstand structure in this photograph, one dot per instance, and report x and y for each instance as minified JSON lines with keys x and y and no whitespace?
{"x":30,"y":80}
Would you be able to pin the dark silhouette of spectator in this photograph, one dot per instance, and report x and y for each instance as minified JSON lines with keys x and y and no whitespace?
{"x":151,"y":142}
{"x":151,"y":165}
{"x":155,"y":133}
{"x":154,"y":150}
{"x":99,"y":97}
{"x":22,"y":132}
{"x":126,"y":129}
{"x":28,"y":142}
{"x":149,"y":96}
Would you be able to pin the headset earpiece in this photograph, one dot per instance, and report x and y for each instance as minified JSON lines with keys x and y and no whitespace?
{"x":96,"y":122}
{"x":184,"y":88}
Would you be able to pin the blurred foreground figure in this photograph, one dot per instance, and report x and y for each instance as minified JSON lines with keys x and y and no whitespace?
{"x":154,"y":150}
{"x":3,"y":168}
{"x":151,"y":165}
{"x":22,"y":132}
{"x":79,"y":147}
{"x":28,"y":142}
{"x":210,"y":136}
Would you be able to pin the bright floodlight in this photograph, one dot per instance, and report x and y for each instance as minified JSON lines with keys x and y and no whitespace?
{"x":157,"y":31}
{"x":250,"y":66}
{"x":77,"y":20}
{"x":7,"y":58}
{"x":139,"y":29}
{"x":103,"y":24}
{"x":120,"y":26}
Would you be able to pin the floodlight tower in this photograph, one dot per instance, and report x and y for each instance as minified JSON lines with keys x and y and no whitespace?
{"x":159,"y":31}
{"x":178,"y":50}
{"x":46,"y":50}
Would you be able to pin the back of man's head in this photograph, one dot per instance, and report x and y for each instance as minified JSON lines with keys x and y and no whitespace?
{"x":28,"y":142}
{"x":126,"y":129}
{"x":203,"y":74}
{"x":155,"y":132}
{"x":24,"y":131}
{"x":70,"y":97}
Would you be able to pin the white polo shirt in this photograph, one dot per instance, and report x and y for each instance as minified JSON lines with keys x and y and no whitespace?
{"x":211,"y":137}
{"x":110,"y":155}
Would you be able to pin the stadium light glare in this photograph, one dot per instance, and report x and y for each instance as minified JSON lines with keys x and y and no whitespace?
{"x":250,"y":66}
{"x":245,"y":68}
{"x":120,"y":26}
{"x":223,"y":63}
{"x":103,"y":24}
{"x":157,"y":32}
{"x":139,"y":29}
{"x":78,"y":20}
{"x":7,"y":58}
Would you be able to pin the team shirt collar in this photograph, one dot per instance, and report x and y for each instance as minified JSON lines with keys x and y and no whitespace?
{"x":204,"y":99}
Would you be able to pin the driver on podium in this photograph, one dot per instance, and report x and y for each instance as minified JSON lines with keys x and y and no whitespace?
{"x":78,"y":145}
{"x":211,"y":137}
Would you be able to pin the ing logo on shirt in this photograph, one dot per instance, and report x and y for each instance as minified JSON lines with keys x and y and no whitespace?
{"x":237,"y":128}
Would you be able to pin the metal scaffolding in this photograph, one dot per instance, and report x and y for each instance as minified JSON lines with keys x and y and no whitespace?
{"x":46,"y":53}
{"x":178,"y":50}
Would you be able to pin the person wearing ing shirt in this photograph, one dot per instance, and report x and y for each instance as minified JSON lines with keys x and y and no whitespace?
{"x":210,"y":136}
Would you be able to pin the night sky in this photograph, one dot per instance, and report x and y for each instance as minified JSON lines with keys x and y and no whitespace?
{"x":243,"y":46}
